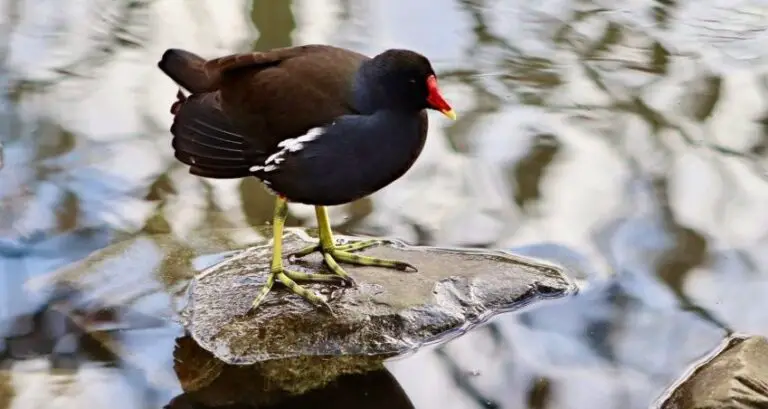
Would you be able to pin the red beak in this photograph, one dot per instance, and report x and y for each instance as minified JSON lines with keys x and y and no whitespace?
{"x":436,"y":100}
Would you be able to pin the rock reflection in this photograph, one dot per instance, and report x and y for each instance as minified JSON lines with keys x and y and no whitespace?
{"x":209,"y":383}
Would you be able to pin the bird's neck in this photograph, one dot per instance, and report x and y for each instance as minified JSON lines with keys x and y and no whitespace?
{"x":369,"y":95}
{"x":366,"y":95}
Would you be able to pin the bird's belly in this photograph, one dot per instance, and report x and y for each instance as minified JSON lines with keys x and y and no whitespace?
{"x":340,"y":181}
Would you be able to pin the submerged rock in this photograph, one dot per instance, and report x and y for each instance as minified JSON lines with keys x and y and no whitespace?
{"x":734,"y":376}
{"x":390,"y":312}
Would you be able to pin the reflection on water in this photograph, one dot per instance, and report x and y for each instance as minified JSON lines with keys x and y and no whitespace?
{"x":626,"y":140}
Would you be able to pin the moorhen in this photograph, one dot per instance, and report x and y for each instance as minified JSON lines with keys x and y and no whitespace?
{"x":317,"y":124}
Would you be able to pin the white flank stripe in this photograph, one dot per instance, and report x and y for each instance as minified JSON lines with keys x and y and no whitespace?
{"x":288,"y":145}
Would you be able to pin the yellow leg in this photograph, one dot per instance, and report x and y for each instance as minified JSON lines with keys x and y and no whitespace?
{"x":333,"y":254}
{"x":288,"y":278}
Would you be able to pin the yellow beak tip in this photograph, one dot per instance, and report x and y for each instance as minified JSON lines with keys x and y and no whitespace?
{"x":450,"y":114}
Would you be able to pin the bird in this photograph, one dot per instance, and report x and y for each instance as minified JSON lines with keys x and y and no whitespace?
{"x":317,"y":124}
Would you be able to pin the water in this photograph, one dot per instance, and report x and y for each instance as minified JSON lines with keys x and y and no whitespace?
{"x":624,"y":139}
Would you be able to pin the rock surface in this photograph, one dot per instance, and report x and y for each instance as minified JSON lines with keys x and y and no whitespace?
{"x":736,"y":377}
{"x":390,"y":311}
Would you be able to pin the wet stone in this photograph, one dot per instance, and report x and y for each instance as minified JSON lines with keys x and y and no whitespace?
{"x":389,"y":313}
{"x":736,"y":377}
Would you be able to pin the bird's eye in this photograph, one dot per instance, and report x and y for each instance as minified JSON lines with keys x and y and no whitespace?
{"x":412,"y":80}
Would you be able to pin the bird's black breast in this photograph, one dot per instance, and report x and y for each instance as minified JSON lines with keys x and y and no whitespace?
{"x":352,"y":158}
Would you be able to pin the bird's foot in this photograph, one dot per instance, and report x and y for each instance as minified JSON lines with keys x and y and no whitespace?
{"x":335,"y":254}
{"x":349,"y":247}
{"x":289,"y":279}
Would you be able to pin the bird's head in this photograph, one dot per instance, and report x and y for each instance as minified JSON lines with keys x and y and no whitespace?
{"x":406,"y":79}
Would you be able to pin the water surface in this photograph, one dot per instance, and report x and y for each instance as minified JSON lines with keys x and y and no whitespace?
{"x":626,"y":140}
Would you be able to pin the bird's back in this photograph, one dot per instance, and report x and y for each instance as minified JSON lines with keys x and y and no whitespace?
{"x":265,"y":97}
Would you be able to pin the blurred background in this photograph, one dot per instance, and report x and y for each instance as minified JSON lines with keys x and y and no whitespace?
{"x":624,"y":140}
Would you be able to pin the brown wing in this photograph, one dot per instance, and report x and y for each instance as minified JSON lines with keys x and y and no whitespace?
{"x":275,"y":95}
{"x":204,"y":139}
{"x":254,"y":101}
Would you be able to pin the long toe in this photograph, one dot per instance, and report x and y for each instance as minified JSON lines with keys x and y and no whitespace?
{"x":349,"y":247}
{"x":315,"y":277}
{"x":360,"y":260}
{"x":305,"y":251}
{"x":358,"y":245}
{"x":337,"y":270}
{"x":265,"y":289}
{"x":303,"y":292}
{"x":288,"y":278}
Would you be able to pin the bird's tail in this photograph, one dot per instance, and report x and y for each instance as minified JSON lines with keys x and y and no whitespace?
{"x":204,"y":138}
{"x":189,"y":71}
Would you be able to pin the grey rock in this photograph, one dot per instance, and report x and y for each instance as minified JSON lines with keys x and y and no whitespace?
{"x":388,"y":314}
{"x":735,"y":377}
